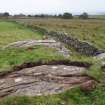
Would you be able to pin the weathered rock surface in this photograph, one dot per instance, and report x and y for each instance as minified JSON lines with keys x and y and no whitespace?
{"x":87,"y":86}
{"x":42,"y":80}
{"x":29,"y":43}
{"x":101,"y":56}
{"x":48,"y":43}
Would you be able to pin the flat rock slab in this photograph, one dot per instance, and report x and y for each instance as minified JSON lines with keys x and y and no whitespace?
{"x":41,"y":80}
{"x":29,"y":43}
{"x":101,"y":56}
{"x":48,"y":43}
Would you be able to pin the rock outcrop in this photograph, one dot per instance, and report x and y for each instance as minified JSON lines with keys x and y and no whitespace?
{"x":48,"y":43}
{"x":42,"y":80}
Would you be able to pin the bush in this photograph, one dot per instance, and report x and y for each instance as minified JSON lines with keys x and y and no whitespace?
{"x":84,"y":16}
{"x":67,"y":16}
{"x":6,"y":14}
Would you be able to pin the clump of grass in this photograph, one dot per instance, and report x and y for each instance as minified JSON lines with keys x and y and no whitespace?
{"x":11,"y":57}
{"x":95,"y":71}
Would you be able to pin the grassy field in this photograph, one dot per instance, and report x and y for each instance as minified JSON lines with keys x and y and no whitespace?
{"x":11,"y":32}
{"x":86,"y":30}
{"x":91,"y":30}
{"x":101,"y":17}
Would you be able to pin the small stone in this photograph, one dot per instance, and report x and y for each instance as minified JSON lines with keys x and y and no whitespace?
{"x":101,"y":56}
{"x":54,"y":67}
{"x":18,"y":79}
{"x":87,"y":86}
{"x":65,"y":68}
{"x":2,"y":81}
{"x":62,"y":103}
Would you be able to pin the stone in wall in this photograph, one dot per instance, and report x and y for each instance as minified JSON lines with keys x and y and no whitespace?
{"x":80,"y":46}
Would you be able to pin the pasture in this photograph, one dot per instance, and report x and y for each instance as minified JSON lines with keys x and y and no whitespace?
{"x":91,"y":31}
{"x":11,"y":32}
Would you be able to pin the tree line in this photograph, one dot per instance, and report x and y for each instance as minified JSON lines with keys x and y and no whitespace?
{"x":65,"y":15}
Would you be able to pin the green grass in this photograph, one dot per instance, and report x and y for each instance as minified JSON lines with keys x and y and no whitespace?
{"x":98,"y":17}
{"x":84,"y":30}
{"x":70,"y":97}
{"x":95,"y":71}
{"x":92,"y":30}
{"x":12,"y":32}
{"x":75,"y":56}
{"x":11,"y":57}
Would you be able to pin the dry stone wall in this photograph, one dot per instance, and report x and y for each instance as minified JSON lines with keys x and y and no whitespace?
{"x":80,"y":46}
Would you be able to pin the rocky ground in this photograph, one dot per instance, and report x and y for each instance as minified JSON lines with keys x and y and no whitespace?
{"x":42,"y":80}
{"x":48,"y":43}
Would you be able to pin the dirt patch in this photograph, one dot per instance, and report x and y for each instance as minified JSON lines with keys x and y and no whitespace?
{"x":42,"y":80}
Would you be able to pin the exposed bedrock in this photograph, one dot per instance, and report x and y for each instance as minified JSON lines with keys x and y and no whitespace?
{"x":60,"y":48}
{"x":42,"y":80}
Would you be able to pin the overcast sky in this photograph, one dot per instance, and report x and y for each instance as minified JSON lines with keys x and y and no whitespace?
{"x":51,"y":6}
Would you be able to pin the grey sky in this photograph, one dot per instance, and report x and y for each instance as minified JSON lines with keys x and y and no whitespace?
{"x":51,"y":6}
